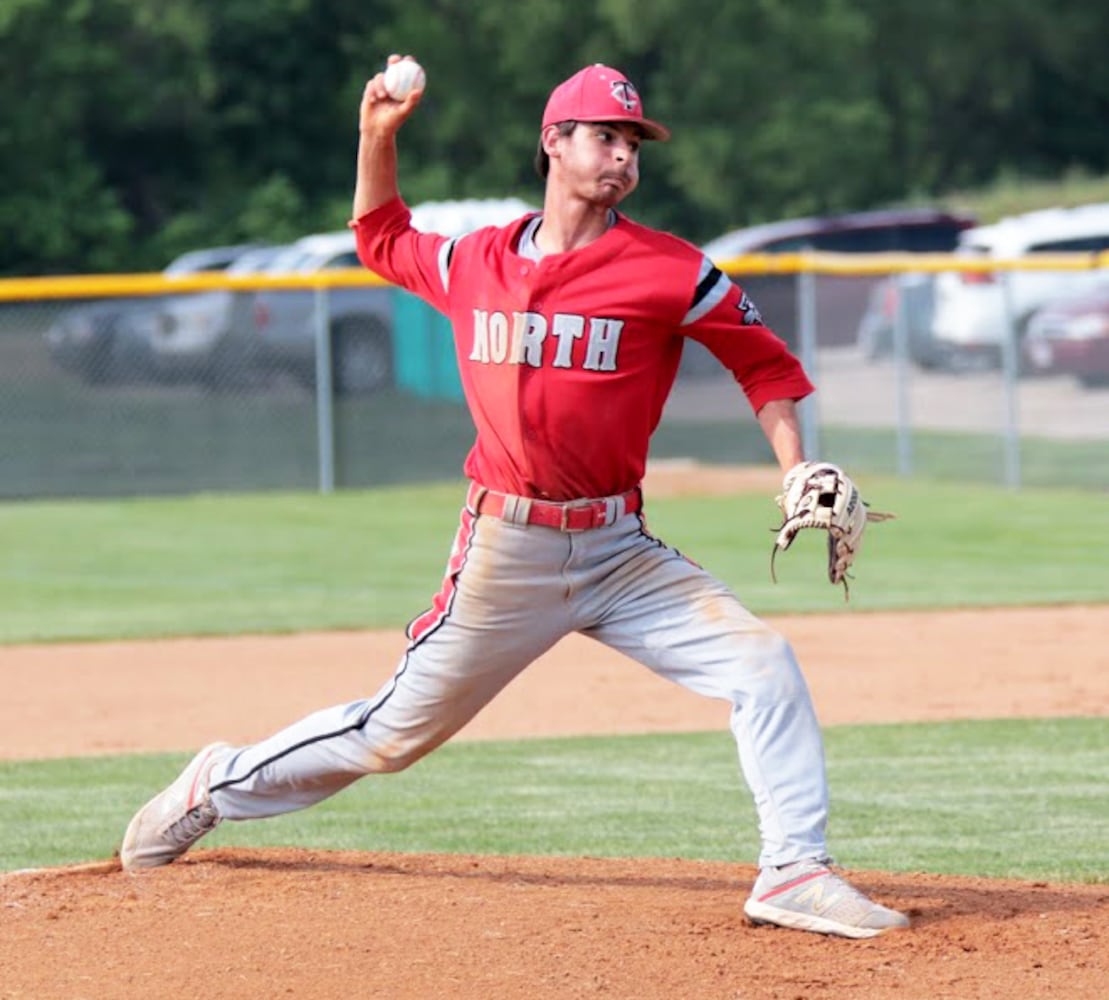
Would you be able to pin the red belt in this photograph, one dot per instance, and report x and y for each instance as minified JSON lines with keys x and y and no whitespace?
{"x":574,"y":515}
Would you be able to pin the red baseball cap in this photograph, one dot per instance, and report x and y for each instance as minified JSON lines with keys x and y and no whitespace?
{"x":599,"y":93}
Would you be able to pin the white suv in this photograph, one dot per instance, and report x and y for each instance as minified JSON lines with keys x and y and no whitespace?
{"x":970,"y":320}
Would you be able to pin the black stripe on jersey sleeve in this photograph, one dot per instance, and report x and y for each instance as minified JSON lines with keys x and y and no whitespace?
{"x":705,"y":285}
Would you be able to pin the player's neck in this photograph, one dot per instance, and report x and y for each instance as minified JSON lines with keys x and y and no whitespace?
{"x":572,"y":225}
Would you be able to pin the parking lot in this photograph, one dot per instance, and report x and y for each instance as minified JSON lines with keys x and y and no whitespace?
{"x":852,"y":391}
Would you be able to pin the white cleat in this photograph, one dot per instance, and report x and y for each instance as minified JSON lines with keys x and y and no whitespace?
{"x":809,"y":896}
{"x":175,"y":819}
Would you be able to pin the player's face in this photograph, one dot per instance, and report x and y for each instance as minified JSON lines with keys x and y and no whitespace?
{"x":600,"y":160}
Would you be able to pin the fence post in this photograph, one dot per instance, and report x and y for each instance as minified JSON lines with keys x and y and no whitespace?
{"x":901,"y":377}
{"x":1010,"y":368}
{"x":325,"y":425}
{"x":806,"y":338}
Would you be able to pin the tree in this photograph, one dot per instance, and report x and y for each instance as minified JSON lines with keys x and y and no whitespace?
{"x":132,"y":130}
{"x":101,"y":124}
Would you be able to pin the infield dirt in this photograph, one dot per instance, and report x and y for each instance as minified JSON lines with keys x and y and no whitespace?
{"x":308,"y":924}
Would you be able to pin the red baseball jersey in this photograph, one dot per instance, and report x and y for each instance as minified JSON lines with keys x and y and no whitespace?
{"x":566,"y":362}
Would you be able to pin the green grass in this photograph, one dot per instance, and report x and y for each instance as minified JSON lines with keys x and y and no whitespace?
{"x":1014,"y":798}
{"x":284,"y":562}
{"x":1021,"y":798}
{"x":936,"y":455}
{"x":1012,"y":194}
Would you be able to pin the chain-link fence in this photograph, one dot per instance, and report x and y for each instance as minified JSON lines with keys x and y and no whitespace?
{"x":147,"y":385}
{"x":932,"y":365}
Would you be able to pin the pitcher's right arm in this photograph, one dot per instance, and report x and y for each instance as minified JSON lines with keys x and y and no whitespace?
{"x":379,"y":119}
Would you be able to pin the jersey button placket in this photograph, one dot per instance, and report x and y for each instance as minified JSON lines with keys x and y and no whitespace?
{"x":528,"y":274}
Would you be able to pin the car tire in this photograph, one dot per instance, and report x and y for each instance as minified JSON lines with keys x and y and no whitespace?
{"x":99,"y":366}
{"x":927,"y":357}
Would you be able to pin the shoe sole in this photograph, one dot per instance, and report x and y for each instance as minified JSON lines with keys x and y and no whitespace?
{"x":197,"y":766}
{"x":761,"y":914}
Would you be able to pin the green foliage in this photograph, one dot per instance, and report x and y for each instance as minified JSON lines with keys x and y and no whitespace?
{"x":1012,"y":194}
{"x":1016,"y":798}
{"x":173,"y":123}
{"x":281,"y":562}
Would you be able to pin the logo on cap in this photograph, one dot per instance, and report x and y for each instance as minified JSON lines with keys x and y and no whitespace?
{"x":625,"y":93}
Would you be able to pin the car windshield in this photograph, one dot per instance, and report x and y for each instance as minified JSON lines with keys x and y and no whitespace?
{"x":195,"y":261}
{"x":289,"y":259}
{"x":322,"y":258}
{"x":255,"y":260}
{"x":1078,"y":244}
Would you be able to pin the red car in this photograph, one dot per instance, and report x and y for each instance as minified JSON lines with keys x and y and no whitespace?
{"x":1071,"y":336}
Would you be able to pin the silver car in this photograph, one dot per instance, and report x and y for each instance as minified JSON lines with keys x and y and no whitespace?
{"x":360,"y":320}
{"x":205,"y":337}
{"x":96,"y":341}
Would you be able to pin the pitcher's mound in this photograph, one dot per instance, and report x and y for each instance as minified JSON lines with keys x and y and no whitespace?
{"x":274,"y":923}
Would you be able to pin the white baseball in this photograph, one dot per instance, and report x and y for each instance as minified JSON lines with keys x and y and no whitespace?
{"x":401,"y":78}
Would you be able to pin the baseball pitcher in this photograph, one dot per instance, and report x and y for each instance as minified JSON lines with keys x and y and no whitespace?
{"x":569,"y":325}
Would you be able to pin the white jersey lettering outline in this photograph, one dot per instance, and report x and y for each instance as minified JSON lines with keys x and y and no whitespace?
{"x":604,"y":341}
{"x":498,"y":337}
{"x":567,"y":327}
{"x":529,"y":330}
{"x":493,"y":343}
{"x":480,"y":350}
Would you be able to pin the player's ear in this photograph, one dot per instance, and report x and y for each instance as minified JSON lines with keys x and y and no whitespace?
{"x":548,"y":139}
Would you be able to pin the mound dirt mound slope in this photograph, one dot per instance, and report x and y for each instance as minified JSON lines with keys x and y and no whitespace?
{"x":236,"y":923}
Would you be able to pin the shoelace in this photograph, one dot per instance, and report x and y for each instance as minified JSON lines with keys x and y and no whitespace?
{"x":194,"y":824}
{"x":853,"y":904}
{"x":850,"y":891}
{"x":849,"y":895}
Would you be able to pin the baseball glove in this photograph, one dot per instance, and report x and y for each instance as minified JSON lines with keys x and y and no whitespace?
{"x":820,"y":495}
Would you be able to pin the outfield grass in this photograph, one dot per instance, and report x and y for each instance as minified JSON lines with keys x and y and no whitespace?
{"x":278,"y":562}
{"x":1021,"y":798}
{"x":1016,"y":798}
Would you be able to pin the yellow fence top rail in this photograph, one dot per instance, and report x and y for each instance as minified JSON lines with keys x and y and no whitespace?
{"x":859,"y":264}
{"x":84,"y":286}
{"x":841,"y":264}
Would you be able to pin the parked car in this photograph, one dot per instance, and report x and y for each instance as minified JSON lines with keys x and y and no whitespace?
{"x":87,"y":339}
{"x":202,"y":336}
{"x":361,"y":318}
{"x":971,"y":317}
{"x":1071,"y":335}
{"x":915,"y":294}
{"x":840,"y":301}
{"x":464,"y":215}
